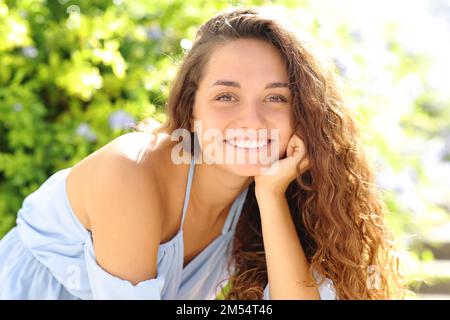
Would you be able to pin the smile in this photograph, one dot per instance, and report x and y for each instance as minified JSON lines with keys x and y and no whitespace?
{"x":250,"y":144}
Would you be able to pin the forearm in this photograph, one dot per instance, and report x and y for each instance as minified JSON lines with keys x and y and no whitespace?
{"x":287,"y":266}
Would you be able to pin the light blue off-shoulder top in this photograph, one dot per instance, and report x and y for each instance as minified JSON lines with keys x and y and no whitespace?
{"x":49,"y":254}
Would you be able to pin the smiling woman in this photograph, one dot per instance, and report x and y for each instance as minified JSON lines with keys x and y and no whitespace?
{"x":247,"y":70}
{"x":130,"y":222}
{"x":254,"y":79}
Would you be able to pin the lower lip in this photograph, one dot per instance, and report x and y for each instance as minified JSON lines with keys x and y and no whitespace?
{"x":248,"y":149}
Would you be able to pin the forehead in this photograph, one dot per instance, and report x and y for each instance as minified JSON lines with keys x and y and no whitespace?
{"x":246,"y":59}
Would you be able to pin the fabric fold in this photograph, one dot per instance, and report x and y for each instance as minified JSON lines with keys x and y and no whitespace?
{"x":106,"y":286}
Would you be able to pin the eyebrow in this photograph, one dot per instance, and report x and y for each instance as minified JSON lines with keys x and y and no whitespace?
{"x":229,"y":83}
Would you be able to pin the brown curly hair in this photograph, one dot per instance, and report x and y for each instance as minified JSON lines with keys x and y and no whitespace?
{"x":334,"y":204}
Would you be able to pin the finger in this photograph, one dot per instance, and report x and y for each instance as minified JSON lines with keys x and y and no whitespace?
{"x":304,"y":164}
{"x":294,"y":142}
{"x":289,"y":150}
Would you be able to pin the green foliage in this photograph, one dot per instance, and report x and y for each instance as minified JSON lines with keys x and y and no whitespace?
{"x":76,"y":74}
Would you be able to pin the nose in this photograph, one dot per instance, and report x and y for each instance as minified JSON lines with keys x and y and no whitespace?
{"x":251,"y":116}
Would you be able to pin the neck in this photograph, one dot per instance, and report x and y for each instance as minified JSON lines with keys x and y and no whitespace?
{"x":214,"y":190}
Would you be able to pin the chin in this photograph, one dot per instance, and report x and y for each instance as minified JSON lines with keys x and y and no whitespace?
{"x":243,"y":170}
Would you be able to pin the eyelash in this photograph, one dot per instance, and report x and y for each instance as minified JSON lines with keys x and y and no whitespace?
{"x":283,"y":99}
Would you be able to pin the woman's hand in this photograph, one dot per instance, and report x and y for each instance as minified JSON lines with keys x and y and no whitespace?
{"x":277,"y":178}
{"x":287,"y":264}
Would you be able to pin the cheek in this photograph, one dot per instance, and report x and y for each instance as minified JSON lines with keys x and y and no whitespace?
{"x":283,"y":121}
{"x":284,"y":143}
{"x":210,"y":117}
{"x":208,"y":124}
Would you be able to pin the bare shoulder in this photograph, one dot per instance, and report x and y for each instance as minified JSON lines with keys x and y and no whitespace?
{"x":122,"y":164}
{"x":128,"y":146}
{"x":120,"y":201}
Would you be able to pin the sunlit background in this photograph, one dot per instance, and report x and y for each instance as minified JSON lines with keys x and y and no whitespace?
{"x":76,"y":74}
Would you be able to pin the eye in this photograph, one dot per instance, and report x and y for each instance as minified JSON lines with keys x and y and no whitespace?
{"x":278,"y":99}
{"x":227,"y":97}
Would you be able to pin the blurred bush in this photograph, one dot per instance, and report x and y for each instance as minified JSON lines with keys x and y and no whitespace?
{"x":76,"y":74}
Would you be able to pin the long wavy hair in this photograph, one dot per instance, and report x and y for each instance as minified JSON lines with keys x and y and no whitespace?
{"x":334,"y":204}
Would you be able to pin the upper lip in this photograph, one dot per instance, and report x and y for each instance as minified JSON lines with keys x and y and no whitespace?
{"x":247,"y":138}
{"x":235,"y":140}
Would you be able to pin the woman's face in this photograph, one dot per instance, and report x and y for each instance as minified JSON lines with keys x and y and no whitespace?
{"x":243,"y":96}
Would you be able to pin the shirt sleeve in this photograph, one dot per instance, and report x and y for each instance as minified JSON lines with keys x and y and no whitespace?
{"x":105,"y":286}
{"x":326,"y":289}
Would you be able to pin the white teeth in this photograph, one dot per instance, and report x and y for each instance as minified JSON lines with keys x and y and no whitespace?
{"x":249,"y":144}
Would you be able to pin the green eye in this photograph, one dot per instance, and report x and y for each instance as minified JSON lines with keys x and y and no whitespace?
{"x":280,"y":99}
{"x":227,"y":97}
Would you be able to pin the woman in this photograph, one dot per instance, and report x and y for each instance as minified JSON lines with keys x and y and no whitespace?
{"x":142,"y":218}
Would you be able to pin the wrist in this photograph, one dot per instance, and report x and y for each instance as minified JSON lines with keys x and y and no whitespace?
{"x":268,"y":192}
